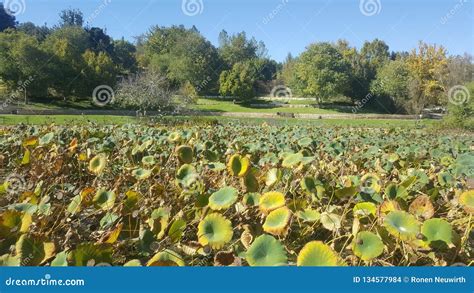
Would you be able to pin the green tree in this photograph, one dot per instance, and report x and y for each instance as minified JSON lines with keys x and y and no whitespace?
{"x":71,"y":17}
{"x":67,"y":46}
{"x":375,"y":54}
{"x":39,"y":32}
{"x":238,"y":48}
{"x":239,"y":81}
{"x":393,"y":81}
{"x":181,"y":55}
{"x":6,"y":19}
{"x":322,"y":71}
{"x":99,"y":41}
{"x":124,"y":56}
{"x":99,"y":70}
{"x":22,"y":64}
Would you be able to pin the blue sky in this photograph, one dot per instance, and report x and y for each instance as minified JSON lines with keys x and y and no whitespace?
{"x":284,"y":25}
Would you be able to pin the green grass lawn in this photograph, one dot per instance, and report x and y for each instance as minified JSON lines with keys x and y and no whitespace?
{"x":215,"y":105}
{"x":79,"y":119}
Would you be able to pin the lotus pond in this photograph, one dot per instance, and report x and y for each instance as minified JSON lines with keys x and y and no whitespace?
{"x":234,"y":194}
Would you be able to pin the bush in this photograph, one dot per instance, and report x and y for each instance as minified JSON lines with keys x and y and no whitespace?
{"x":148,"y":91}
{"x":461,"y":115}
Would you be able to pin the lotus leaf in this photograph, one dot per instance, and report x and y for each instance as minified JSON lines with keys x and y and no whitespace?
{"x":277,"y":221}
{"x":266,"y":251}
{"x":367,"y":245}
{"x":214,"y":230}
{"x":316,"y":253}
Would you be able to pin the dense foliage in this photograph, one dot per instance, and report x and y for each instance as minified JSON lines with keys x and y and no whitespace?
{"x":70,"y":61}
{"x":234,"y":194}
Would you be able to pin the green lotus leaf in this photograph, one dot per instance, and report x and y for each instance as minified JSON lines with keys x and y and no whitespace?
{"x":467,"y":200}
{"x":277,"y":221}
{"x":104,"y":199}
{"x":251,"y":199}
{"x":166,"y":258}
{"x":185,"y":154}
{"x":60,"y":260}
{"x":90,"y":254}
{"x":364,"y":209}
{"x":316,"y":253}
{"x":401,"y":224}
{"x":446,"y":161}
{"x":273,"y":177}
{"x":304,"y":142}
{"x":309,"y":215}
{"x":367,"y":245}
{"x":46,"y":139}
{"x":75,"y":205}
{"x":393,"y":157}
{"x":148,"y":161}
{"x":392,"y":191}
{"x":210,"y":156}
{"x":251,"y":182}
{"x":445,"y":179}
{"x":331,"y":221}
{"x":186,"y":175}
{"x":370,"y":183}
{"x":238,"y":165}
{"x":409,"y":182}
{"x":176,"y":230}
{"x":216,"y":166}
{"x":292,"y":160}
{"x":174,"y":137}
{"x":464,"y":165}
{"x":158,"y":222}
{"x":265,"y":250}
{"x":308,"y":184}
{"x":141,"y":174}
{"x":97,"y":164}
{"x":346,"y":192}
{"x":32,"y":251}
{"x":108,"y":220}
{"x":223,"y":198}
{"x":8,"y":260}
{"x":271,"y":200}
{"x":437,"y":230}
{"x":133,"y":263}
{"x":214,"y":230}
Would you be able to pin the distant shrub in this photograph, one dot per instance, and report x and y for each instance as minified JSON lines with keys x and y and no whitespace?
{"x":461,"y":108}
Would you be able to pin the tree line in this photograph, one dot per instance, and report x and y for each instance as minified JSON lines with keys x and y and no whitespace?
{"x":70,"y":59}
